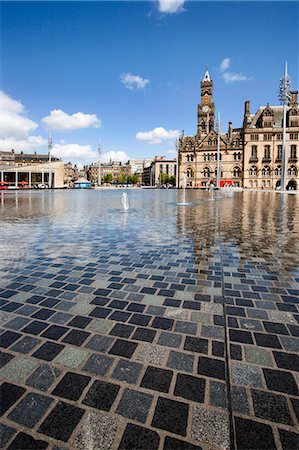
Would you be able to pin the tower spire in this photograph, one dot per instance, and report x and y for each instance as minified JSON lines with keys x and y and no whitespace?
{"x":207,"y":75}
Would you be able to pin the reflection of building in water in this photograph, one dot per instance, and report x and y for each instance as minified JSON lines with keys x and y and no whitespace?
{"x":20,"y":169}
{"x":250,"y":156}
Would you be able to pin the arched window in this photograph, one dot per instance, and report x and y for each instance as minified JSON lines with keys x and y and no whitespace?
{"x":237,"y":142}
{"x":266,"y":171}
{"x":292,"y":171}
{"x":235,"y":156}
{"x":190,"y":158}
{"x":206,"y":172}
{"x":264,"y":183}
{"x":250,"y":183}
{"x":215,"y":141}
{"x":277,"y":171}
{"x":253,"y":171}
{"x":210,"y":142}
{"x":236,"y":172}
{"x":204,"y":157}
{"x":293,"y":154}
{"x":189,"y":172}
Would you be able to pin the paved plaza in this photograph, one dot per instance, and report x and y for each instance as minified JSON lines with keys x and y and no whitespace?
{"x":167,"y":327}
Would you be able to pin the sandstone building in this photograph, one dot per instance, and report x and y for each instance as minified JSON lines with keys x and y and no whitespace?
{"x":250,"y":156}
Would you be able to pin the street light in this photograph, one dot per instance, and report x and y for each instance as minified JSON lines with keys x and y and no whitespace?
{"x":99,"y":173}
{"x":284,"y":96}
{"x":50,"y":146}
{"x":218,"y":151}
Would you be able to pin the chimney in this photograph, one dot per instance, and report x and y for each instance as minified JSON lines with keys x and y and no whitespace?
{"x":293,"y":98}
{"x":247,"y":107}
{"x":230,"y":130}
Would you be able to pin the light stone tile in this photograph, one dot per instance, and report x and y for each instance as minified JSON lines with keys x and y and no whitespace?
{"x":97,"y":432}
{"x":211,"y":427}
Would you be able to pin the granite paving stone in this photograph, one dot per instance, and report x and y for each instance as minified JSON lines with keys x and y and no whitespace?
{"x":30,"y":409}
{"x":134,"y":405}
{"x":71,"y":386}
{"x":181,"y":361}
{"x":43,"y":377}
{"x":101,"y":395}
{"x":18,"y":369}
{"x":136,"y":438}
{"x":24,"y":441}
{"x":171,"y":416}
{"x":210,"y":427}
{"x":127,"y":371}
{"x":97,"y":430}
{"x":6,"y":433}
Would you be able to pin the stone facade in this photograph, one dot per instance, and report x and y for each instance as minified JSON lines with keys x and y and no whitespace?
{"x":249,"y":156}
{"x":160,"y":165}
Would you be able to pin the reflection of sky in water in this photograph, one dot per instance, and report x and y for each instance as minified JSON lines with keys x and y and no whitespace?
{"x":87,"y":223}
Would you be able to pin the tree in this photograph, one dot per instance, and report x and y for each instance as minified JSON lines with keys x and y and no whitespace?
{"x":133,"y":179}
{"x":163,"y":178}
{"x":122,"y":178}
{"x":107,"y":178}
{"x":172,"y":180}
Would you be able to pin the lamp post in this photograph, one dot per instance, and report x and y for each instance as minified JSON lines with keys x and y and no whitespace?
{"x":99,"y":173}
{"x":50,"y":146}
{"x":218,"y":152}
{"x":284,"y":95}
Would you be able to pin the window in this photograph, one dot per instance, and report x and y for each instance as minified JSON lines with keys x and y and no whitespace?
{"x":215,"y":142}
{"x":253,"y":171}
{"x":210,"y":142}
{"x":267,"y":137}
{"x":190,"y":158}
{"x":279,"y":151}
{"x":293,"y":154}
{"x":236,"y":172}
{"x":254,"y":137}
{"x":279,"y":136}
{"x":294,"y":136}
{"x":267,"y":152}
{"x":161,"y":168}
{"x":266,"y":171}
{"x":277,"y":171}
{"x":267,"y":124}
{"x":206,"y":172}
{"x":189,"y":172}
{"x":167,"y":169}
{"x":237,"y":156}
{"x":294,"y":123}
{"x":221,"y":173}
{"x":237,"y":142}
{"x":292,"y":171}
{"x":254,"y":152}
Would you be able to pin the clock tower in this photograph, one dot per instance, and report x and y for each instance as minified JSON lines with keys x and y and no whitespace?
{"x":206,"y":109}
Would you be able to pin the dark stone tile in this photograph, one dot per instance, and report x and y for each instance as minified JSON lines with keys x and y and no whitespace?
{"x":197,"y":345}
{"x":71,"y":386}
{"x":127,"y":371}
{"x":236,"y":352}
{"x":144,"y":334}
{"x":48,"y":351}
{"x":17,"y":323}
{"x":170,"y":339}
{"x":122,"y":330}
{"x":140,"y":319}
{"x":35,"y":327}
{"x":137,"y":438}
{"x":180,"y":361}
{"x":136,"y":307}
{"x":24,"y":441}
{"x":8,"y":338}
{"x":148,"y":290}
{"x":100,"y":313}
{"x":43,"y":377}
{"x":118,"y":304}
{"x":101,"y":395}
{"x":120,"y":316}
{"x":76,"y":337}
{"x":55,"y":332}
{"x":267,"y":340}
{"x":271,"y":407}
{"x":253,"y":435}
{"x":287,"y":360}
{"x":157,"y":379}
{"x":100,"y":301}
{"x":162,"y":323}
{"x":6,"y":434}
{"x":289,"y":440}
{"x":43,"y":314}
{"x":294,"y":329}
{"x":123,"y":348}
{"x":9,"y":394}
{"x":176,"y":444}
{"x":186,"y":327}
{"x":190,"y":388}
{"x":240,"y":336}
{"x":98,"y":364}
{"x":275,"y":328}
{"x":278,"y":380}
{"x":5,"y":358}
{"x":61,"y":421}
{"x":99,"y":343}
{"x":295,"y":403}
{"x":191,"y":305}
{"x":79,"y":322}
{"x":30,"y":410}
{"x":218,"y":349}
{"x":171,"y":416}
{"x":211,"y":367}
{"x":134,"y":405}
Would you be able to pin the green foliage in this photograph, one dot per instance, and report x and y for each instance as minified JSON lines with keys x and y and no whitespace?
{"x":133,"y":179}
{"x":166,"y":179}
{"x":122,"y":178}
{"x":107,"y":178}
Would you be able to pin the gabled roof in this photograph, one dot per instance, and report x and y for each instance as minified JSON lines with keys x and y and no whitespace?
{"x":207,"y":76}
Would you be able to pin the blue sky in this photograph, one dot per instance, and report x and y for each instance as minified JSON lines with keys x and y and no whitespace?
{"x":128,"y":73}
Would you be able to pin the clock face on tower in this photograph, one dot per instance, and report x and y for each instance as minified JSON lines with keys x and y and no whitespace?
{"x":205,"y":109}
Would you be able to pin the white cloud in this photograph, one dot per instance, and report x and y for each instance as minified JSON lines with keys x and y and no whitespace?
{"x":172,"y":152}
{"x":225,"y":63}
{"x":115,"y":156}
{"x":76,"y":153}
{"x":59,"y":120}
{"x":157,"y":135}
{"x":231,"y":77}
{"x":14,"y":122}
{"x":133,"y":81}
{"x":25,"y":145}
{"x":171,"y":6}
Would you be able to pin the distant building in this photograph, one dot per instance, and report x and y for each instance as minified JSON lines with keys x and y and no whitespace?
{"x":138,"y":166}
{"x":152,"y":175}
{"x":250,"y":156}
{"x":71,"y":173}
{"x":30,"y":169}
{"x":115,"y":168}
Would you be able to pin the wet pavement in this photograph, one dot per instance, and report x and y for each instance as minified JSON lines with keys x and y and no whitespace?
{"x":167,"y":327}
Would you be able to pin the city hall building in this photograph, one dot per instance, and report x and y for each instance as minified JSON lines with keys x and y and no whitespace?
{"x":250,"y":156}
